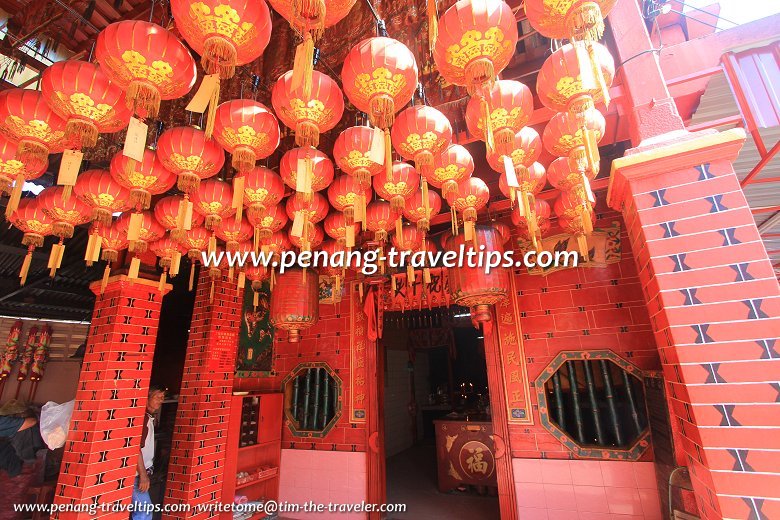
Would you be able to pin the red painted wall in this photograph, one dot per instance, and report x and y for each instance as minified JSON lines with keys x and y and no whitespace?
{"x":580,"y":309}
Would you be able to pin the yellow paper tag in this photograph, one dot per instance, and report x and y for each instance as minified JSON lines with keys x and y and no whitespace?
{"x":241,"y":280}
{"x":175,"y":263}
{"x":377,"y":151}
{"x":238,"y":191}
{"x":298,"y":222}
{"x":350,"y":236}
{"x":135,"y":142}
{"x":200,"y":101}
{"x":511,"y":176}
{"x":135,"y":265}
{"x":69,"y":167}
{"x":134,"y":226}
{"x":96,"y":248}
{"x":586,"y":71}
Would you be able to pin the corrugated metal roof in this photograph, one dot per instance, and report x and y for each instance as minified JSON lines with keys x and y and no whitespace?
{"x":718,"y":102}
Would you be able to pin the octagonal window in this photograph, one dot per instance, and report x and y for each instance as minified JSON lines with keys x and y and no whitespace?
{"x":312,"y":399}
{"x":594,"y":403}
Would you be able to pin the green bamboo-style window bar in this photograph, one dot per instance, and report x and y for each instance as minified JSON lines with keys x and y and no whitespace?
{"x":312,"y":399}
{"x":597,"y":403}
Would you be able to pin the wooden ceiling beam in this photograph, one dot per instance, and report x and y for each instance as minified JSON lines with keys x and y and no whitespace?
{"x":134,"y":14}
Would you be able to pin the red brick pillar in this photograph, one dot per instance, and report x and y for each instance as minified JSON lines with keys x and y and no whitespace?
{"x":714,"y":304}
{"x":197,"y":460}
{"x":99,"y":463}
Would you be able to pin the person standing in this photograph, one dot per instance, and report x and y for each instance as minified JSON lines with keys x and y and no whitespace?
{"x":143,"y":505}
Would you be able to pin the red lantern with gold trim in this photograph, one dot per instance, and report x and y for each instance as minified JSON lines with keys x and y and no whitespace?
{"x":421,"y":133}
{"x":27,"y":120}
{"x":420,"y":211}
{"x":352,"y":151}
{"x":146,"y":61}
{"x":476,"y":41}
{"x":81,"y":94}
{"x":451,"y":167}
{"x":36,"y":225}
{"x":308,"y":116}
{"x":195,"y":241}
{"x":234,"y":233}
{"x":247,"y":130}
{"x":533,"y":226}
{"x":578,"y":20}
{"x":167,"y":211}
{"x":101,"y":192}
{"x":187,"y":152}
{"x":524,"y":151}
{"x":565,"y":137}
{"x":141,"y":229}
{"x":262,"y":189}
{"x":169,"y":252}
{"x":14,"y":173}
{"x":270,"y":221}
{"x":511,"y":105}
{"x":408,"y":238}
{"x":66,"y":214}
{"x":306,"y":170}
{"x":336,"y":227}
{"x":402,"y":185}
{"x":380,"y":219}
{"x":214,"y":200}
{"x":310,"y":239}
{"x":348,"y":196}
{"x":114,"y":240}
{"x":144,"y":179}
{"x":305,"y":214}
{"x":575,"y":215}
{"x":225,"y":33}
{"x":472,"y":287}
{"x":295,"y":302}
{"x":473,"y":195}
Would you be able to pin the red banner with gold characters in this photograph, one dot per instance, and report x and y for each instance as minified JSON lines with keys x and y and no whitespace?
{"x":358,"y":392}
{"x":513,"y":362}
{"x":405,"y":296}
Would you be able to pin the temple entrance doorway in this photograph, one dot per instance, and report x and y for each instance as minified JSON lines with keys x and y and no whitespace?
{"x":437,"y":426}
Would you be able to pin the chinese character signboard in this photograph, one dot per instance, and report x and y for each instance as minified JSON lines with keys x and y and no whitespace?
{"x":418,"y":295}
{"x":513,"y":362}
{"x":358,"y":343}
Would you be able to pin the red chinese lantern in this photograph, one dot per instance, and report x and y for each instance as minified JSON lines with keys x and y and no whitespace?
{"x":511,"y":105}
{"x":14,"y":173}
{"x":295,"y":302}
{"x":380,"y":219}
{"x":146,"y":61}
{"x":472,"y":287}
{"x":309,"y":116}
{"x":451,"y":167}
{"x":398,"y":188}
{"x":310,"y":239}
{"x":114,"y":240}
{"x":37,"y":130}
{"x":195,"y":241}
{"x":187,"y":152}
{"x":476,"y":41}
{"x":226,"y":34}
{"x":421,"y":211}
{"x":524,"y":151}
{"x":169,"y":252}
{"x":277,"y":243}
{"x":530,"y":182}
{"x":577,"y":20}
{"x":503,"y":231}
{"x":144,"y":179}
{"x":379,"y":76}
{"x":103,"y":194}
{"x":535,"y":180}
{"x":81,"y":94}
{"x":575,"y":216}
{"x":168,"y":212}
{"x":141,"y":229}
{"x":66,"y":214}
{"x":348,"y":196}
{"x":214,"y":200}
{"x":564,"y":86}
{"x":306,"y":170}
{"x":408,"y":238}
{"x":30,"y":219}
{"x":247,"y":130}
{"x":262,"y":189}
{"x":565,"y":137}
{"x":473,"y":195}
{"x":234,"y":233}
{"x":421,"y":133}
{"x":352,"y":151}
{"x":305,"y":214}
{"x":337,"y":228}
{"x":272,"y":220}
{"x":532,"y":226}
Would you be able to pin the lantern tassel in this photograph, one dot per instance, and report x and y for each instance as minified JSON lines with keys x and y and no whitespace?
{"x":433,"y":24}
{"x":489,"y":141}
{"x":163,"y":279}
{"x":582,"y":244}
{"x":16,"y":195}
{"x":598,"y":73}
{"x":255,"y":300}
{"x":303,"y":66}
{"x":211,"y":292}
{"x":192,"y":275}
{"x":82,"y":131}
{"x":244,"y":158}
{"x":219,"y":57}
{"x":307,"y":134}
{"x":26,"y":266}
{"x":399,"y":228}
{"x":211,"y":115}
{"x":143,"y":97}
{"x":388,"y":156}
{"x":238,"y":196}
{"x":104,"y":281}
{"x":393,"y":283}
{"x":454,"y":220}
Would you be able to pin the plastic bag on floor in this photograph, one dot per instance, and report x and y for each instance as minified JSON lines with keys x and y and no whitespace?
{"x":55,"y":422}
